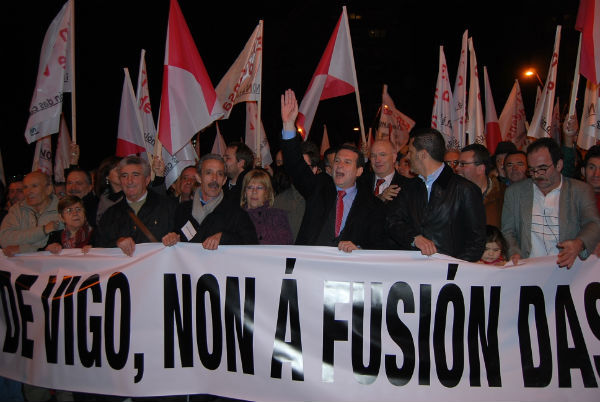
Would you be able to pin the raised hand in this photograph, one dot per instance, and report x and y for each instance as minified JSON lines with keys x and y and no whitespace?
{"x":289,"y":110}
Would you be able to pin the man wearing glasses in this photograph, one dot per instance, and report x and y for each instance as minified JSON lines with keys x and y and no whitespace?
{"x":549,"y":214}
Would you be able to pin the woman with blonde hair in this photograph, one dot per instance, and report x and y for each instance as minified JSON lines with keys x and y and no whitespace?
{"x":272,"y":225}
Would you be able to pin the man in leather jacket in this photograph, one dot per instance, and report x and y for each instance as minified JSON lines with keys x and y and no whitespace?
{"x":438,"y":211}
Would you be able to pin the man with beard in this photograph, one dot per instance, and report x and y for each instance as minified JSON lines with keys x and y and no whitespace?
{"x":549,"y":214}
{"x":210,"y":218}
{"x":591,"y":171}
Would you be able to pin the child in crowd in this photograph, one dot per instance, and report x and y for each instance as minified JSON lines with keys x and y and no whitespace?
{"x":495,"y":247}
{"x":76,"y":233}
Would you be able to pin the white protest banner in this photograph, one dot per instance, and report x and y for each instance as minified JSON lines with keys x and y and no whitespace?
{"x":297,"y":323}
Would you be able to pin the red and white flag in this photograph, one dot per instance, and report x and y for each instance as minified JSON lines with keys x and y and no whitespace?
{"x":188,"y":100}
{"x":589,"y":129}
{"x":512,"y":119}
{"x":130,"y":134}
{"x":392,"y":122}
{"x":441,"y":116}
{"x":63,"y":150}
{"x":243,"y":80}
{"x":335,"y":75}
{"x":42,"y":157}
{"x":459,"y":118}
{"x":588,"y":22}
{"x":53,"y":78}
{"x":475,"y":123}
{"x":542,"y":116}
{"x":492,"y":128}
{"x":324,"y":142}
{"x":219,"y":145}
{"x":252,"y":134}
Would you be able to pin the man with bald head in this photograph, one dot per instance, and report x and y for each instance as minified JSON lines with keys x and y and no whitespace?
{"x":28,"y":223}
{"x":384,"y":182}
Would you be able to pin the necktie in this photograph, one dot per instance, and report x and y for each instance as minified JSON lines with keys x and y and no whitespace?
{"x":379,"y":183}
{"x":339,"y":211}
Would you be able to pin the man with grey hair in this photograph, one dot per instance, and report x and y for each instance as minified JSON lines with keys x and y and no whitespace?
{"x":141,"y":216}
{"x":210,"y":218}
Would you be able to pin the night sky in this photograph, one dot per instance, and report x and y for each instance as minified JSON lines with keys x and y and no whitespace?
{"x":395,"y":43}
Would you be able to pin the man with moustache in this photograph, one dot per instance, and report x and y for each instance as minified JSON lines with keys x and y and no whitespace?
{"x":210,"y":218}
{"x":338,"y":212}
{"x":549,"y":214}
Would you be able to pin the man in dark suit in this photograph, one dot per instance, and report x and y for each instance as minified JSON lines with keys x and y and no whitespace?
{"x":239,"y":160}
{"x":338,"y":212}
{"x":383,"y":181}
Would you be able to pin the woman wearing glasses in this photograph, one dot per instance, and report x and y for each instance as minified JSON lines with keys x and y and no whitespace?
{"x":272,"y":225}
{"x":76,"y":233}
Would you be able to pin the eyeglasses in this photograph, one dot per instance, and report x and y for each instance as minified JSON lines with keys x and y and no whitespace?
{"x":257,"y":188}
{"x":538,"y":170}
{"x":451,"y":163}
{"x":462,"y":164}
{"x":72,"y":210}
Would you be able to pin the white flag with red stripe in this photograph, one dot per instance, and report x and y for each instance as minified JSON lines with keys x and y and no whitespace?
{"x":42,"y":156}
{"x":52,"y":78}
{"x":459,"y":118}
{"x":589,"y":129}
{"x":324,"y":142}
{"x":512,"y":119}
{"x":252,"y":133}
{"x":492,"y":128}
{"x":475,"y":122}
{"x":588,"y":22}
{"x":441,"y":116}
{"x":188,"y":99}
{"x":130,"y":134}
{"x":392,"y":122}
{"x":63,"y":149}
{"x":334,"y":75}
{"x":219,"y":145}
{"x":242,"y":82}
{"x":542,"y":116}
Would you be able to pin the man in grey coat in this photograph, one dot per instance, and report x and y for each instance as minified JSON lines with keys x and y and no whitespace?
{"x":549,"y":214}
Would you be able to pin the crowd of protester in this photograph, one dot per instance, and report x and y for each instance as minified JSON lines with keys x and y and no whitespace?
{"x":466,"y":203}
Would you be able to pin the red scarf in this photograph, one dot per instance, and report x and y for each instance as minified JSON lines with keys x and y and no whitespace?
{"x":79,"y":239}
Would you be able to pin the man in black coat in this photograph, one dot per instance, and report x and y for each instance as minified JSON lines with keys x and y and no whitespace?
{"x":439,"y":211}
{"x":211,"y":218}
{"x":338,"y":212}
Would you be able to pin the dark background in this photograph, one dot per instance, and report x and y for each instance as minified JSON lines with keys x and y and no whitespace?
{"x":395,"y":43}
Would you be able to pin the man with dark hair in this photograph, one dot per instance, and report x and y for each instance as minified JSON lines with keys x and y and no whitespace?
{"x":310,"y":153}
{"x":549,"y":214}
{"x":515,"y":166}
{"x":79,"y":184}
{"x":328,"y":158}
{"x":239,"y":159}
{"x":439,"y":211}
{"x":338,"y":212}
{"x":497,"y":161}
{"x":475,"y":164}
{"x":590,"y":171}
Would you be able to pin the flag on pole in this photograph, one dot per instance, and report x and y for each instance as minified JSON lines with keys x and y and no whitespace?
{"x":130,"y":134}
{"x":492,"y":127}
{"x":475,"y":123}
{"x":242,"y":82}
{"x":512,"y":119}
{"x":441,"y":116}
{"x":251,"y":134}
{"x":459,"y":118}
{"x":52,"y":78}
{"x":542,"y":116}
{"x":189,"y":101}
{"x":393,"y":122}
{"x":589,"y":129}
{"x":324,"y":142}
{"x":588,"y":22}
{"x":42,"y":157}
{"x":555,"y":126}
{"x":63,"y":149}
{"x":334,"y":75}
{"x":219,"y":145}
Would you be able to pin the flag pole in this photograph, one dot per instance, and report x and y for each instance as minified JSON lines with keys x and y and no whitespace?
{"x":360,"y":116}
{"x":72,"y":78}
{"x":575,"y":81}
{"x":259,"y":120}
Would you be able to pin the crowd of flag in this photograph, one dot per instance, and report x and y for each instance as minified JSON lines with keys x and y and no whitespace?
{"x":190,"y":103}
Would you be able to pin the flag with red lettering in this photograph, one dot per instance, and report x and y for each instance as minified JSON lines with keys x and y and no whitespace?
{"x":459,"y":118}
{"x":242,"y":82}
{"x":130,"y":134}
{"x":188,"y":100}
{"x":324,"y":142}
{"x":588,"y":22}
{"x":589,"y":129}
{"x":475,"y":123}
{"x":542,"y":116}
{"x":492,"y":127}
{"x":335,"y":75}
{"x":392,"y":122}
{"x":63,"y":149}
{"x":53,"y":78}
{"x":512,"y":119}
{"x":252,"y":134}
{"x":42,"y":156}
{"x":441,"y":116}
